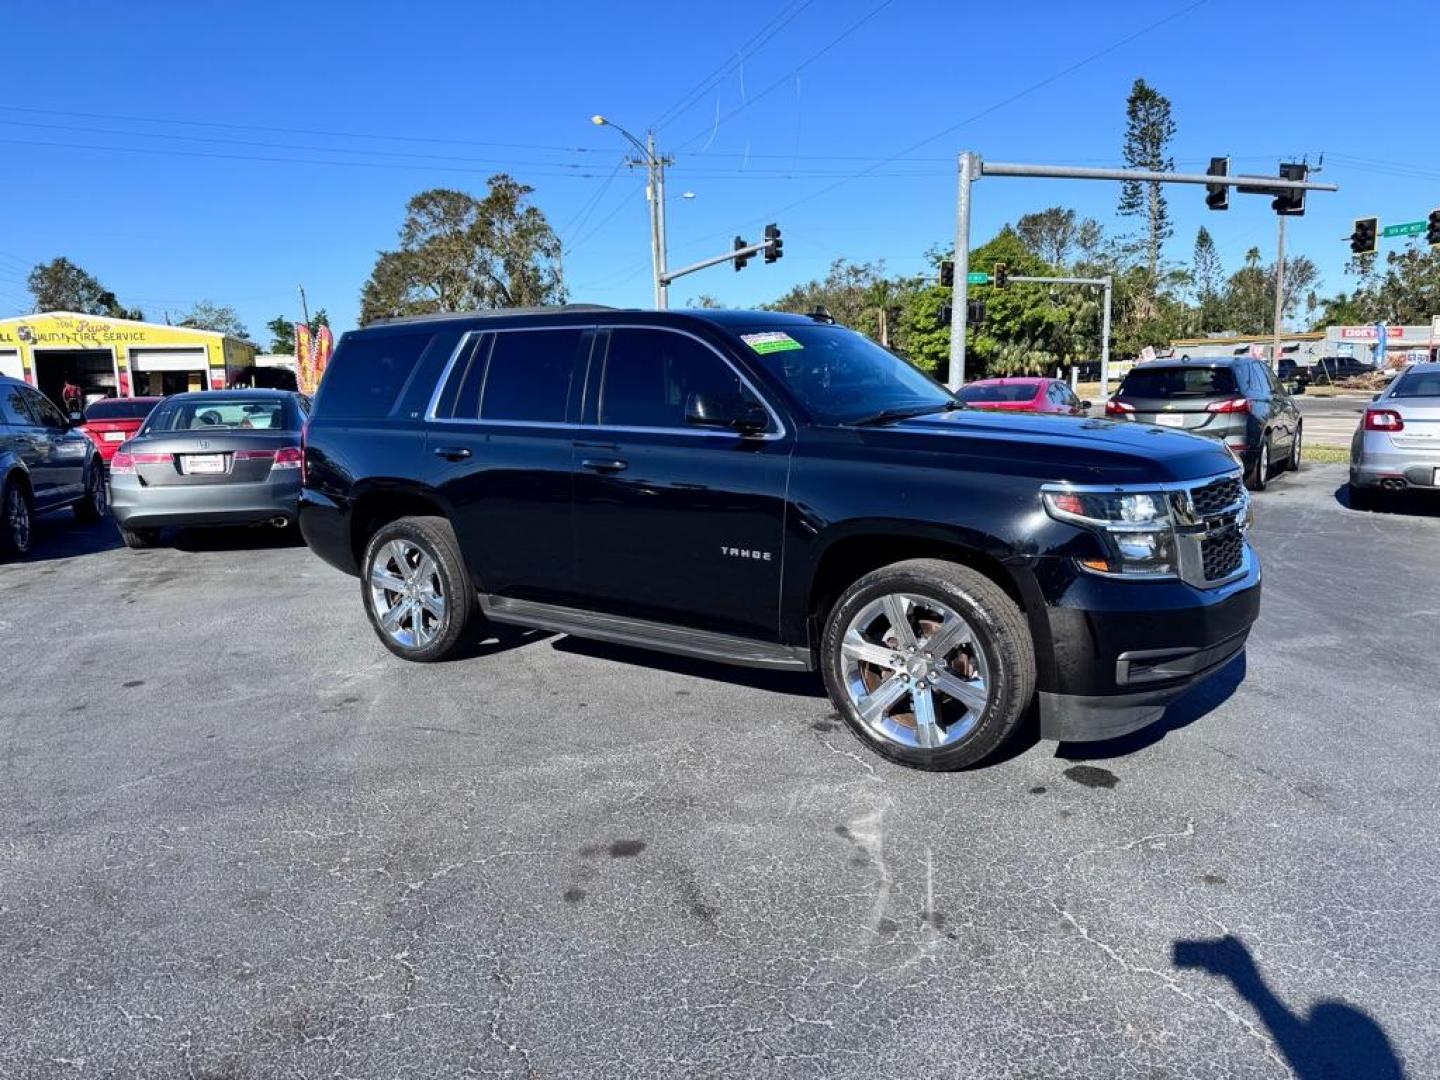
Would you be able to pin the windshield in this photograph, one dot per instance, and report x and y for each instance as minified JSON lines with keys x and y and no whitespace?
{"x":840,"y":377}
{"x":230,"y":413}
{"x":997,"y":392}
{"x":1178,"y":382}
{"x":1415,"y":384}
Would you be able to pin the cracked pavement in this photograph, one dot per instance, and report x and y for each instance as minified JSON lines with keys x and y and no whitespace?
{"x":239,"y":839}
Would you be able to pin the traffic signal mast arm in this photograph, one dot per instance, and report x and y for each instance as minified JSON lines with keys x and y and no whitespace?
{"x":742,"y":252}
{"x":1071,"y":172}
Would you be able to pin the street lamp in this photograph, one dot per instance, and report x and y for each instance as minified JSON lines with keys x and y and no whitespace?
{"x":655,"y":196}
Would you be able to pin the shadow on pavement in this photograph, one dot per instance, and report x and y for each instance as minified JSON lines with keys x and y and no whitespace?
{"x":61,"y":535}
{"x":231,"y":538}
{"x":1401,"y":503}
{"x":1184,"y":711}
{"x":1333,"y":1041}
{"x":794,"y":683}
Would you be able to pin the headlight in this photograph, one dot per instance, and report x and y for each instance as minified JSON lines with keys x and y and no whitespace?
{"x":1135,"y":527}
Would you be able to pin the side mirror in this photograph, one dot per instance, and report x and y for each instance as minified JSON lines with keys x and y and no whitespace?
{"x":76,"y":419}
{"x":1085,"y":405}
{"x":725,"y":412}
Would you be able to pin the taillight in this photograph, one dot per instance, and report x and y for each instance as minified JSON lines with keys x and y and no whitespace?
{"x":1232,"y":405}
{"x":1115,"y":407}
{"x":1383,"y":420}
{"x":122,"y":463}
{"x":289,"y":457}
{"x":254,"y":455}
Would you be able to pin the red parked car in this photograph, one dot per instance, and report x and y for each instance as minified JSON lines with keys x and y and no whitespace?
{"x":1024,"y":395}
{"x":110,"y":421}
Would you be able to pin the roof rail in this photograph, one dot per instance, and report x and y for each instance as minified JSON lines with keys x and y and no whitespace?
{"x":488,"y":313}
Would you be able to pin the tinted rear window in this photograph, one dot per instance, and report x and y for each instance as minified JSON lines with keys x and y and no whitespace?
{"x":998,"y":392}
{"x":119,"y":409}
{"x":1177,"y":382}
{"x":527,"y":376}
{"x":223,"y":412}
{"x":367,"y":373}
{"x":1415,"y":384}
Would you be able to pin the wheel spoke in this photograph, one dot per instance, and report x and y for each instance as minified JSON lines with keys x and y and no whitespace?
{"x":383,"y":579}
{"x":927,"y":724}
{"x":857,"y":648}
{"x":394,"y":616}
{"x":424,"y":570}
{"x":432,"y":602}
{"x":972,"y":696}
{"x":953,"y":633}
{"x":874,"y":706}
{"x":899,"y":623}
{"x":417,"y":624}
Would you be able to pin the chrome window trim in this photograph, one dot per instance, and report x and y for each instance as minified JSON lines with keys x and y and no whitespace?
{"x":1189,"y":529}
{"x":445,"y":373}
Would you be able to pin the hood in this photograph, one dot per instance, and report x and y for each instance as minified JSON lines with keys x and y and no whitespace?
{"x":1061,"y":448}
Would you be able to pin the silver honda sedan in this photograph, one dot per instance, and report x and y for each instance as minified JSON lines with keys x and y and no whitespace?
{"x":1397,"y":445}
{"x":228,"y":457}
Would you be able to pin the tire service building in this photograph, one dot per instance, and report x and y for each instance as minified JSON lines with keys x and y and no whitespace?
{"x":116,"y":357}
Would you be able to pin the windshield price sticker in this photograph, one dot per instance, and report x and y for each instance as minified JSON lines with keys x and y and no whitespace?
{"x":774,"y":341}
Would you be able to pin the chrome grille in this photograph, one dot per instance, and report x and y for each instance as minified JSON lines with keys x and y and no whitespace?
{"x":1216,"y":496}
{"x":1222,"y":551}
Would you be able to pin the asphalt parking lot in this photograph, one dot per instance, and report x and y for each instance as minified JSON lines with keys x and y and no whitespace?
{"x":240,"y":839}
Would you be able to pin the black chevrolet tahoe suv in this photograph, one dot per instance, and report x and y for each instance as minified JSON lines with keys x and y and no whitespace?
{"x":768,"y":490}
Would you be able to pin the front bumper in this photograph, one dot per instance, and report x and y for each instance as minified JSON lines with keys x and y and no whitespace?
{"x":1125,"y":650}
{"x":137,"y":506}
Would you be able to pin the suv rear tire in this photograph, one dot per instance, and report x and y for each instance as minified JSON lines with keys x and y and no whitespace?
{"x":17,"y":520}
{"x":92,"y":506}
{"x":416,"y":589}
{"x":945,"y":681}
{"x":1259,"y":473}
{"x":1293,"y":464}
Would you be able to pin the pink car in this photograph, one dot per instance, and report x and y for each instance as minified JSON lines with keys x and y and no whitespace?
{"x":1023,"y":394}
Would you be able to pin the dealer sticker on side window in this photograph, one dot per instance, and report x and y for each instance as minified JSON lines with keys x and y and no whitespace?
{"x":774,"y":341}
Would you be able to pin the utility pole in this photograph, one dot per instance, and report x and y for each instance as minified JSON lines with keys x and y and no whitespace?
{"x":1279,"y":294}
{"x":654,"y":194}
{"x":304,"y":307}
{"x":968,"y":171}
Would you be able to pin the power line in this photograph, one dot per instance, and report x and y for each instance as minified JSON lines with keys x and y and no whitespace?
{"x":753,"y":45}
{"x":588,"y":206}
{"x":785,"y":79}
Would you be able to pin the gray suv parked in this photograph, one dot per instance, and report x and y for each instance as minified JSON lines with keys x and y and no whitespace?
{"x":1240,"y":402}
{"x":45,"y":463}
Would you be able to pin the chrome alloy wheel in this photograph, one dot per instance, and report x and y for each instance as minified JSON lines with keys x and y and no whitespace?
{"x":407,"y":594}
{"x":914,"y":671}
{"x":17,"y":519}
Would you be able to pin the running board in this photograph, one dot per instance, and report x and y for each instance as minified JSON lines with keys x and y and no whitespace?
{"x":662,"y":637}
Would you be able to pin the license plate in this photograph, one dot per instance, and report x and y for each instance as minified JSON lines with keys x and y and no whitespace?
{"x":1170,"y":420}
{"x":114,"y":436}
{"x":196,"y":464}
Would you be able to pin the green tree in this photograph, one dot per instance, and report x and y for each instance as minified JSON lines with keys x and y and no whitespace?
{"x":704,"y":300}
{"x":208,"y":315}
{"x":60,"y":285}
{"x":1050,"y":234}
{"x":459,"y":253}
{"x":1248,"y":301}
{"x":1148,"y":131}
{"x":1409,"y":289}
{"x":854,"y":294}
{"x":282,"y":335}
{"x":1207,"y":276}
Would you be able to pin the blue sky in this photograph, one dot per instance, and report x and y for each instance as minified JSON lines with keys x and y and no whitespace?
{"x":175,"y":150}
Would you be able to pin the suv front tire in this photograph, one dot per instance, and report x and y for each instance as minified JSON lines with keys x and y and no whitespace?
{"x":930,"y":663}
{"x":417,"y":591}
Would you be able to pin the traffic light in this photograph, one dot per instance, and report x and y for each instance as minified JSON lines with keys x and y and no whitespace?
{"x":1217,"y":196}
{"x":1432,"y":229}
{"x":1290,"y":201}
{"x":946,"y":314}
{"x":1000,"y":276}
{"x":975,"y":312}
{"x":741,"y":260}
{"x":774,"y":246}
{"x":947,"y":274}
{"x":1366,"y":234}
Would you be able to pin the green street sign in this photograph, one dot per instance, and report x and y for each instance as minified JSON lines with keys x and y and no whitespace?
{"x":1410,"y":228}
{"x":981,"y":278}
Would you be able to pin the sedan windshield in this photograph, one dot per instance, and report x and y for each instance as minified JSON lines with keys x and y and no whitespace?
{"x":841,"y":377}
{"x":225,"y":413}
{"x":985,"y":392}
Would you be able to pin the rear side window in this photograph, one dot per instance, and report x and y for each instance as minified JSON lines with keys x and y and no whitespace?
{"x":520,"y":376}
{"x":12,"y":406}
{"x":1415,"y":384}
{"x":119,"y":409}
{"x":650,"y":376}
{"x":1178,"y":382}
{"x":367,"y":373}
{"x":43,"y":409}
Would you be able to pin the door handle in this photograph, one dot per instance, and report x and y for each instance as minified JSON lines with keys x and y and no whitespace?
{"x":452,"y":453}
{"x":604,"y":465}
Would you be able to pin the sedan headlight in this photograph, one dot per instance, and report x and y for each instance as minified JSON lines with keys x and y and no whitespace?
{"x":1135,"y":527}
